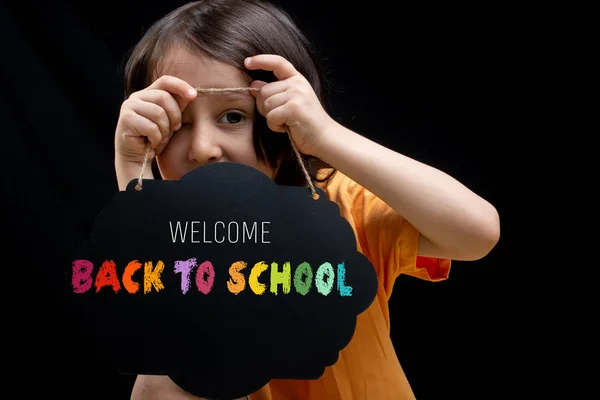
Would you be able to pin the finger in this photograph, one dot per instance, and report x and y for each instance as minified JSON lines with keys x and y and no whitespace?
{"x":167,"y":102}
{"x":266,"y":91}
{"x":281,"y":67}
{"x":154,"y":113}
{"x":273,"y":102}
{"x":277,"y":119}
{"x":271,"y":89}
{"x":183,"y":91}
{"x":147,"y":128}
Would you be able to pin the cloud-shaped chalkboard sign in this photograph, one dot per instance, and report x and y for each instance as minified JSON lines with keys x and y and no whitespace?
{"x":222,"y":280}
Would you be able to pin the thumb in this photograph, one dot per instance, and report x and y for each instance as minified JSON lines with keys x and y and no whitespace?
{"x":256,"y":85}
{"x":163,"y":144}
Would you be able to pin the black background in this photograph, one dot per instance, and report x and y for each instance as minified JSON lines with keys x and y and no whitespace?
{"x":425,"y":81}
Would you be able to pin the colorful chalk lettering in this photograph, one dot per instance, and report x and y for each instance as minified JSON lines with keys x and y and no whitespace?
{"x":281,"y":280}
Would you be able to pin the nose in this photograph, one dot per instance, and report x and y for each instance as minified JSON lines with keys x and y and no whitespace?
{"x":205,"y":147}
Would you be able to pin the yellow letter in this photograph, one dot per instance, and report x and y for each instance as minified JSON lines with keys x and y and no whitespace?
{"x":152,"y":278}
{"x":255,"y":285}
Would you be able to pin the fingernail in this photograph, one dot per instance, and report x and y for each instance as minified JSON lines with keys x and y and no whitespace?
{"x":248,"y":60}
{"x":192,"y":92}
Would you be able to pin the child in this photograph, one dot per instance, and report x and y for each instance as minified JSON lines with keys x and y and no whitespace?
{"x":409,"y":218}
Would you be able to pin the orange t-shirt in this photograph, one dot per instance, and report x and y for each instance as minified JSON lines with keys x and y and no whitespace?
{"x":368,"y":367}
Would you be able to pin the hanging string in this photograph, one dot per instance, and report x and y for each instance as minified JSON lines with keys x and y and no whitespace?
{"x":217,"y":91}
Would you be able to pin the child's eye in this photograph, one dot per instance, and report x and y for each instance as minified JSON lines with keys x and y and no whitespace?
{"x":232,"y":118}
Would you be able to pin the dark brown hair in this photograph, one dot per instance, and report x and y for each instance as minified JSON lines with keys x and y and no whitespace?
{"x":229,"y":31}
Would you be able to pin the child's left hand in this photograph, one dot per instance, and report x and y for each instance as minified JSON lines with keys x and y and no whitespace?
{"x":290,"y":104}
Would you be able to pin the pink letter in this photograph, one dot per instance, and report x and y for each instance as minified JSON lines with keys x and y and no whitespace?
{"x":82,"y":276}
{"x":205,"y":286}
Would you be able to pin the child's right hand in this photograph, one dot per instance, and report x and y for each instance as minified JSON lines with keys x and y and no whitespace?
{"x":151,"y":114}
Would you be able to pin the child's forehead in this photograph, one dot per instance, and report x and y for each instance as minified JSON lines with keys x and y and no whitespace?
{"x":200,"y":70}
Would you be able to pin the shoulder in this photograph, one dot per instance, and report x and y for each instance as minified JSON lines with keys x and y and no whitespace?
{"x":363,"y":209}
{"x":337,"y":185}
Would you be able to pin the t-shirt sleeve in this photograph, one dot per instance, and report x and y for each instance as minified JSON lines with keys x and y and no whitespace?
{"x":386,"y":238}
